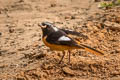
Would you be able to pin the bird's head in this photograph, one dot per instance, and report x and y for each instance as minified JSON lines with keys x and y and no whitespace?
{"x":47,"y":28}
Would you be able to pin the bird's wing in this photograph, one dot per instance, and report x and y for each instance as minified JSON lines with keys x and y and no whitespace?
{"x":74,"y":33}
{"x":60,"y":38}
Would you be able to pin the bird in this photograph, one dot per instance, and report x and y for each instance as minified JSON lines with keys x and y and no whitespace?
{"x":57,"y":39}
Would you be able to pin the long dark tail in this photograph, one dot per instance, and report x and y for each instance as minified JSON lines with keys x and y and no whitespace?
{"x":89,"y":49}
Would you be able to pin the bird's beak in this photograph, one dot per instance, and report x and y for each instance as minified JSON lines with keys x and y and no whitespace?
{"x":42,"y":26}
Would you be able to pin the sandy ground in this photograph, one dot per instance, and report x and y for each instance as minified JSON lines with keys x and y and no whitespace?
{"x":23,"y":56}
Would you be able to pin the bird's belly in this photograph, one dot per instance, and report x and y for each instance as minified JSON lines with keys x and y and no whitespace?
{"x":58,"y":47}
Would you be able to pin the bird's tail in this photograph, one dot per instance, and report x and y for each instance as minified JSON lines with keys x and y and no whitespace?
{"x":91,"y":50}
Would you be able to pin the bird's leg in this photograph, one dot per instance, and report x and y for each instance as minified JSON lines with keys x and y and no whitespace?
{"x":62,"y":57}
{"x":68,"y":56}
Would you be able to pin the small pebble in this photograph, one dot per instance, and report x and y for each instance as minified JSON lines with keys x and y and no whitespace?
{"x":0,"y":33}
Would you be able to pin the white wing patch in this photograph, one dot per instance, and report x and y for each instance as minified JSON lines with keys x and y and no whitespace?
{"x":69,"y":30}
{"x":56,"y":29}
{"x":64,"y":38}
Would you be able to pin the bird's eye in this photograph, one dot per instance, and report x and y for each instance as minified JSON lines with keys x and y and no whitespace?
{"x":47,"y":26}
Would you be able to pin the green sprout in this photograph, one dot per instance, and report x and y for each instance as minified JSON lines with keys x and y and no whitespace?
{"x":118,"y":2}
{"x":106,"y":4}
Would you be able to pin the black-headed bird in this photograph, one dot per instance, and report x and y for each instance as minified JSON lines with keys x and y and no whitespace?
{"x":58,"y":39}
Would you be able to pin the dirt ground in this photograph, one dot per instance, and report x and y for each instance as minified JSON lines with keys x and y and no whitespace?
{"x":23,"y":56}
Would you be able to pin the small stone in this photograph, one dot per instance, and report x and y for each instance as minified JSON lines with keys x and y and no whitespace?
{"x":21,"y":1}
{"x":118,"y":19}
{"x":11,"y":30}
{"x":67,"y":17}
{"x":97,"y":0}
{"x":68,"y":71}
{"x":40,"y":56}
{"x":107,"y":0}
{"x":0,"y":33}
{"x":72,"y":17}
{"x":20,"y":79}
{"x":24,"y":65}
{"x":53,"y":5}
